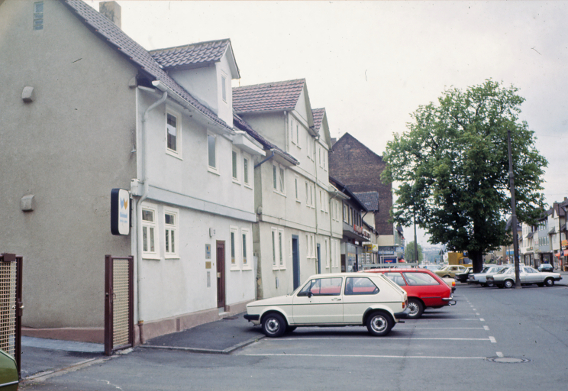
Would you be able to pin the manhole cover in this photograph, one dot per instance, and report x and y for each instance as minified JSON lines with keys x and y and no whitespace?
{"x":508,"y":360}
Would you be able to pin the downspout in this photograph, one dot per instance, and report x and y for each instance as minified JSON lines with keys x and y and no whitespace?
{"x":139,"y":208}
{"x":265,"y":160}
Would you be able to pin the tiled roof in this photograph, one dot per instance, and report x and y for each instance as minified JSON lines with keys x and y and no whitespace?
{"x":187,"y":55}
{"x":277,"y":96}
{"x":370,"y":199}
{"x":318,"y":118}
{"x":103,"y":27}
{"x":241,"y":124}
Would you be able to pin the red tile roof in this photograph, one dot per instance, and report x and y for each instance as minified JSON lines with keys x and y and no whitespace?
{"x":277,"y":96}
{"x":318,"y":118}
{"x":134,"y":52}
{"x":193,"y":54}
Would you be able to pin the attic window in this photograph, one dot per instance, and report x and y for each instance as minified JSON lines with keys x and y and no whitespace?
{"x":38,"y":15}
{"x":224,"y":88}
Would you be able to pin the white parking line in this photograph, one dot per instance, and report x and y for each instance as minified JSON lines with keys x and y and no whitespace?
{"x":492,"y":339}
{"x":481,"y":319}
{"x":477,"y":313}
{"x":451,"y":328}
{"x":382,"y":339}
{"x":486,"y":328}
{"x":358,"y":356}
{"x":500,"y":354}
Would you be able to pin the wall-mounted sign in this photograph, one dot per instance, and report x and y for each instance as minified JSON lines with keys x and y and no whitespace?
{"x":119,"y":212}
{"x":207,"y":251}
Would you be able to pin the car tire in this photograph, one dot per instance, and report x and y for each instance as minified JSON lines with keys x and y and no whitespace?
{"x":416,"y":308}
{"x":273,"y":325}
{"x":379,"y":324}
{"x":509,"y":284}
{"x":549,"y":282}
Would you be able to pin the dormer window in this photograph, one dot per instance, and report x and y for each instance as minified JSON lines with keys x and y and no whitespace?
{"x":224,"y":88}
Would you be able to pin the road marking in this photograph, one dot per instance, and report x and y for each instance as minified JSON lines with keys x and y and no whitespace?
{"x":500,"y":354}
{"x":382,"y":339}
{"x":492,"y":339}
{"x":486,"y":328}
{"x":451,"y":328}
{"x":358,"y":356}
{"x":481,"y":319}
{"x":477,"y":313}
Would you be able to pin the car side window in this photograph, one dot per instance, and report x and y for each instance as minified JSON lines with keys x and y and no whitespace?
{"x":360,"y":286}
{"x":322,"y":287}
{"x":416,"y":279}
{"x":396,"y":278}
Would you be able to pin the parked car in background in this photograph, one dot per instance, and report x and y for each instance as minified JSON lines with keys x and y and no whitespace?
{"x":528,"y":275}
{"x":8,"y":372}
{"x":338,"y":299}
{"x":545,"y":267}
{"x":450,"y":270}
{"x":424,"y":289}
{"x":432,"y":267}
{"x":481,"y":278}
{"x":462,"y":277}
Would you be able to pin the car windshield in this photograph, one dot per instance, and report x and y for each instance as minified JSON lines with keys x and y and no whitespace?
{"x":504,"y":271}
{"x":486,"y":270}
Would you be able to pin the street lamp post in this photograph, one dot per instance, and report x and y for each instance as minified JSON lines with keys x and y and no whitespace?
{"x":513,"y":213}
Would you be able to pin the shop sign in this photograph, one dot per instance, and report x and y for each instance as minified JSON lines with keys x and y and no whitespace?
{"x":565,"y":243}
{"x":119,"y":212}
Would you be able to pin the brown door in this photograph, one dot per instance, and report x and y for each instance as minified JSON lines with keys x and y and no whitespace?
{"x":220,"y":274}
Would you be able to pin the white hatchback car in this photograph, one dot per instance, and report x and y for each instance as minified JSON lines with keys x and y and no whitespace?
{"x":339,"y":299}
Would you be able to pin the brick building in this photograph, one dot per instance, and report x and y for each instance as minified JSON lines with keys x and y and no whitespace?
{"x":359,"y":168}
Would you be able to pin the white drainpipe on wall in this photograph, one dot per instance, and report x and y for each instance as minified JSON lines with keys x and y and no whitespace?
{"x":139,"y":206}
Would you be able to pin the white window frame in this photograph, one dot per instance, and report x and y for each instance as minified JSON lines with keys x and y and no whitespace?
{"x":246,"y":254}
{"x":281,"y":253}
{"x":224,"y":87}
{"x":275,"y":250}
{"x":234,"y":257}
{"x":174,"y":152}
{"x":235,"y":166}
{"x":214,"y":169}
{"x":292,"y":122}
{"x":281,"y":180}
{"x":246,"y":171}
{"x":150,"y":227}
{"x":171,"y":231}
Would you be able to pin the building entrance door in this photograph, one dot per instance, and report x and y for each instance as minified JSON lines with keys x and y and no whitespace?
{"x":296,"y":261}
{"x":221,"y":274}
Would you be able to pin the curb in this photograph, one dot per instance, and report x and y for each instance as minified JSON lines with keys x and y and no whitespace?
{"x":208,"y":351}
{"x":42,"y":376}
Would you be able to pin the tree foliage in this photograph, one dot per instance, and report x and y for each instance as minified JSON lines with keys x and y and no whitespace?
{"x":409,"y":252}
{"x":452,"y":165}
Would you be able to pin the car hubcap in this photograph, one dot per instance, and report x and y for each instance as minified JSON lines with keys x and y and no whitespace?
{"x":379,"y":324}
{"x":272,"y":325}
{"x":412,"y":309}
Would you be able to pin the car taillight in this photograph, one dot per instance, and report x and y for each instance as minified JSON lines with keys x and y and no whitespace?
{"x":404,"y":304}
{"x":453,"y":283}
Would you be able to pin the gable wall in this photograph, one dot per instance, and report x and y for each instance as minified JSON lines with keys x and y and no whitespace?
{"x":360,"y":169}
{"x":68,"y":148}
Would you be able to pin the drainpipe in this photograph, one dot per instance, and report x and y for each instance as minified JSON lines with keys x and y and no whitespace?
{"x":139,"y":208}
{"x":265,"y":160}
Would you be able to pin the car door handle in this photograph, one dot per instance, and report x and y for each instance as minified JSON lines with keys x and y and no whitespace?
{"x":335,"y":299}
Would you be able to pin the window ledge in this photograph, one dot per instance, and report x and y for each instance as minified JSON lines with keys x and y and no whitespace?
{"x":235,"y":269}
{"x":236,"y":182}
{"x":247,"y":269}
{"x":248,"y":186}
{"x":213,"y":171}
{"x":151,"y":257}
{"x":173,"y":257}
{"x":174,"y":154}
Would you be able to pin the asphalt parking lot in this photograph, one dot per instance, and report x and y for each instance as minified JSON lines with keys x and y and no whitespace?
{"x":505,"y":339}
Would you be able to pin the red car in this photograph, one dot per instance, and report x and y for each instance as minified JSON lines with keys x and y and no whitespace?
{"x":424,"y":289}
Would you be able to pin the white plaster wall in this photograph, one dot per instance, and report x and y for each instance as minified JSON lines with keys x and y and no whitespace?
{"x":189,"y":174}
{"x":201,"y":83}
{"x":68,"y":148}
{"x":178,"y":286}
{"x":272,"y":126}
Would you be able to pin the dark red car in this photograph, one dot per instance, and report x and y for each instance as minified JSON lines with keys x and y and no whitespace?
{"x":424,"y":289}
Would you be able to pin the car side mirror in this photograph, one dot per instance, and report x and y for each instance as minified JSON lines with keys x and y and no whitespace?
{"x":310,"y":294}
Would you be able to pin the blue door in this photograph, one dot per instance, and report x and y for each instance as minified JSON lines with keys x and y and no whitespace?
{"x":296,"y":261}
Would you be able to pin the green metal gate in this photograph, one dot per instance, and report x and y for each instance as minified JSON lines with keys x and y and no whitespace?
{"x":11,"y":306}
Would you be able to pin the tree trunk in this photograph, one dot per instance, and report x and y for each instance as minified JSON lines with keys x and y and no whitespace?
{"x":476,"y":260}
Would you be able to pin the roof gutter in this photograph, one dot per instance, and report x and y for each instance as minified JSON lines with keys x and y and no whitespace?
{"x":265,"y":160}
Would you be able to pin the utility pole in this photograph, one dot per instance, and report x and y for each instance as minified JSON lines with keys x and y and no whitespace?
{"x":415,"y":242}
{"x":513,"y":213}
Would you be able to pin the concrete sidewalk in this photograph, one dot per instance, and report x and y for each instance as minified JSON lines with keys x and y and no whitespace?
{"x":222,"y":336}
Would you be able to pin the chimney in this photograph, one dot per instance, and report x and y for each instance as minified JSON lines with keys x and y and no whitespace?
{"x":110,"y":9}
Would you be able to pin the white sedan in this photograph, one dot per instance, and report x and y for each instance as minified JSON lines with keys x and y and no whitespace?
{"x":528,"y":275}
{"x":481,"y":278}
{"x":339,"y":299}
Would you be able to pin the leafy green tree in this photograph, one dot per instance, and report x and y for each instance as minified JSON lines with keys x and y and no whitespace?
{"x":409,"y":252}
{"x":452,"y":165}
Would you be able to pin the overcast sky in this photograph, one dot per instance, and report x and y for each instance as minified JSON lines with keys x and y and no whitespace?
{"x":371,"y":64}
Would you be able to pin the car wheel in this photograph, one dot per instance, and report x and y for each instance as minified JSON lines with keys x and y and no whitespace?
{"x":379,"y":324}
{"x":549,"y":282}
{"x":509,"y":284}
{"x":416,"y":308}
{"x":489,"y":284}
{"x":273,"y":325}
